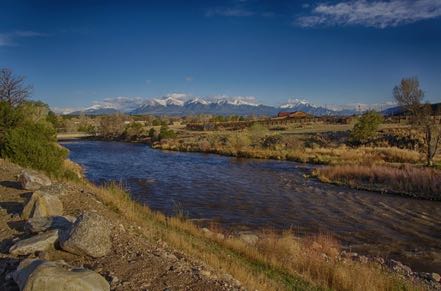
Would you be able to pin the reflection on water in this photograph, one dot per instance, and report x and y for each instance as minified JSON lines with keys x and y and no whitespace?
{"x":252,"y":194}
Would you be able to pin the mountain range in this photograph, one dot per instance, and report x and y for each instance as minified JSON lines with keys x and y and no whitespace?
{"x":181,"y":104}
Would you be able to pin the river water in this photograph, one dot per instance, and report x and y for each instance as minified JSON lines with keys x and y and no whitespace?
{"x":247,"y":194}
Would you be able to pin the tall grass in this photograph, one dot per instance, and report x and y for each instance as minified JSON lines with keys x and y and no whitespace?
{"x":239,"y":146}
{"x":409,"y":180}
{"x":275,"y":262}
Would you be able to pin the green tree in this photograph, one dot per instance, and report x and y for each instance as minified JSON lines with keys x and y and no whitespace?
{"x":134,"y":130}
{"x":366,"y":127}
{"x":152,"y":134}
{"x":165,"y":132}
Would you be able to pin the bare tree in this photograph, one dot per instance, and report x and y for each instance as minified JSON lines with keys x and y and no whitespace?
{"x":13,"y":88}
{"x":409,"y":95}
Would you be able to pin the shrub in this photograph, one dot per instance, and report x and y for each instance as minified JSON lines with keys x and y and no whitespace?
{"x":134,"y":130}
{"x":33,"y":145}
{"x":165,"y":132}
{"x":9,"y":118}
{"x":366,"y":127}
{"x":152,"y":134}
{"x":271,"y":141}
{"x":112,"y":126}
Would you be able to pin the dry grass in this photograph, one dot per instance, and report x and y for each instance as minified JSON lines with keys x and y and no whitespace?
{"x":410,"y":180}
{"x":276,"y":262}
{"x":239,"y":146}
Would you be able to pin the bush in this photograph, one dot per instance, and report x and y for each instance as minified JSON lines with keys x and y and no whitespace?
{"x":33,"y":145}
{"x":134,"y":131}
{"x":366,"y":127}
{"x":165,"y":132}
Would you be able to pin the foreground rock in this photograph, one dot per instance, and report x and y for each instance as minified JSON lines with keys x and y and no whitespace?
{"x":42,"y":204}
{"x":40,"y":275}
{"x":249,"y":238}
{"x":40,"y":224}
{"x":33,"y":180}
{"x":90,"y":235}
{"x":40,"y":242}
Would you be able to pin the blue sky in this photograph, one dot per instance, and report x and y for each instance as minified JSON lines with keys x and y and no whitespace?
{"x":328,"y":52}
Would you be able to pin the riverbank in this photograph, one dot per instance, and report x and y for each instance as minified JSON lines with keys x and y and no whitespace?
{"x":406,"y":180}
{"x":362,"y":166}
{"x":151,"y":250}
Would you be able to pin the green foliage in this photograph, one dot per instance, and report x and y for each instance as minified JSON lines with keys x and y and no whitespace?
{"x":156,"y":122}
{"x":53,"y":119}
{"x":165,"y":132}
{"x":28,"y":139}
{"x":134,"y":130}
{"x":87,"y":128}
{"x":9,"y":118}
{"x":34,"y":146}
{"x":152,"y":134}
{"x":366,"y":127}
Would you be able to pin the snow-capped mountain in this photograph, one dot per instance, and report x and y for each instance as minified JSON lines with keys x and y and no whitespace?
{"x":305,"y":106}
{"x":182,"y":104}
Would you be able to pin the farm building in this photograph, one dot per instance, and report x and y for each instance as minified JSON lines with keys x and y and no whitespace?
{"x":294,"y":114}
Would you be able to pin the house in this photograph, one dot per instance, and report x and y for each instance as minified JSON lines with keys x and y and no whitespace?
{"x":294,"y":114}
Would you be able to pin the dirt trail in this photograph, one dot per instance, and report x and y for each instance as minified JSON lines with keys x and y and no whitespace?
{"x":134,"y":263}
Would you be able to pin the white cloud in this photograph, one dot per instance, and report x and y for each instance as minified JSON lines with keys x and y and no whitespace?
{"x":189,"y":78}
{"x":11,"y":38}
{"x":122,"y":103}
{"x":379,"y":14}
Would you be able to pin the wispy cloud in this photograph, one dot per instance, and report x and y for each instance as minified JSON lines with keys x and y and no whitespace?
{"x":12,"y":38}
{"x":379,"y":14}
{"x":229,"y":12}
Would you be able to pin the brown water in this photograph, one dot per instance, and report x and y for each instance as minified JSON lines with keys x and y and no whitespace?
{"x":256,"y":194}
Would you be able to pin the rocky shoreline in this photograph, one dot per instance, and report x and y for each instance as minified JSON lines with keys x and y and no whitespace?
{"x":59,"y":236}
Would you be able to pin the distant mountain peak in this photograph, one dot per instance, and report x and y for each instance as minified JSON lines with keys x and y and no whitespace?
{"x":293,"y":103}
{"x":183,"y":104}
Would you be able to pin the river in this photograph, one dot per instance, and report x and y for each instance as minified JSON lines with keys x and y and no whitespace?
{"x":248,"y":194}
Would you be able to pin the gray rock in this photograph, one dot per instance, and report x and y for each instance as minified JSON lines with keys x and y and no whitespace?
{"x":33,"y":180}
{"x":435,"y":277}
{"x":400,"y":267}
{"x":249,"y":238}
{"x":90,"y":235}
{"x":40,"y":275}
{"x":40,"y":224}
{"x":54,"y":189}
{"x":42,"y":204}
{"x":40,"y":242}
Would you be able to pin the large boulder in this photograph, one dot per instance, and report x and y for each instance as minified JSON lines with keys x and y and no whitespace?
{"x":40,"y":275}
{"x":40,"y":242}
{"x":40,"y":224}
{"x":33,"y":180}
{"x":42,"y":204}
{"x":90,"y":235}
